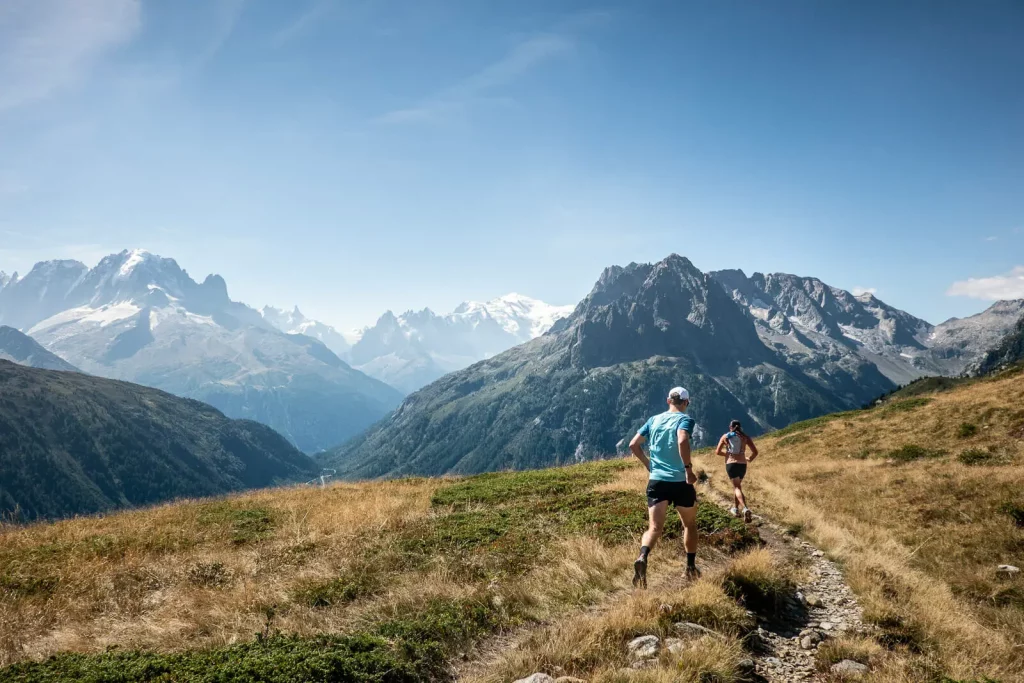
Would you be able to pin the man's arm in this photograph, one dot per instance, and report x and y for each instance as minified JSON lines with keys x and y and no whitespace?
{"x":753,"y":448}
{"x":636,"y":446}
{"x":721,"y":447}
{"x":684,"y":453}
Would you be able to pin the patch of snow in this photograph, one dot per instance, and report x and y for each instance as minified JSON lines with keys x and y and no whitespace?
{"x":105,"y":315}
{"x":135,"y":257}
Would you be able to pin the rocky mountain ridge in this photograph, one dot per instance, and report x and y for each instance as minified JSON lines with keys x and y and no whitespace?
{"x":139,"y":317}
{"x":768,"y":350}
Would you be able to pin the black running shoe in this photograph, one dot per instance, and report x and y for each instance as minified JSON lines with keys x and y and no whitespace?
{"x":692,"y":573}
{"x":640,"y":573}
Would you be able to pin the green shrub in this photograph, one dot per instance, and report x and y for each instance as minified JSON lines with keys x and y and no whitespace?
{"x":28,"y":586}
{"x":975,"y":456}
{"x":966,"y":430}
{"x":907,"y":404}
{"x":338,"y":591}
{"x":247,"y":524}
{"x":1015,"y":511}
{"x":910,"y":452}
{"x":360,"y":658}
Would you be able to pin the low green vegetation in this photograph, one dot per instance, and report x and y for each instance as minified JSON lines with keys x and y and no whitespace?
{"x":814,"y":422}
{"x":976,"y":456}
{"x":1015,"y":510}
{"x":498,"y":524}
{"x":966,"y":430}
{"x":414,"y":647}
{"x":911,"y":452}
{"x":906,"y":405}
{"x":245,"y":524}
{"x":338,"y":591}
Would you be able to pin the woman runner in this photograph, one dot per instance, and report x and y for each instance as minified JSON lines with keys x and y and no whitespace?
{"x":733,"y":445}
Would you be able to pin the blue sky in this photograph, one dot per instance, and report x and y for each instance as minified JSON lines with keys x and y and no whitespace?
{"x":357,"y":155}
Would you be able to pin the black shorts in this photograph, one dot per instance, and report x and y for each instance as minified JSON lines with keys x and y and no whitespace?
{"x":677,"y":493}
{"x":736,"y":470}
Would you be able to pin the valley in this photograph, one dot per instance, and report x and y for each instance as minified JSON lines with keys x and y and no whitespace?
{"x":509,"y":574}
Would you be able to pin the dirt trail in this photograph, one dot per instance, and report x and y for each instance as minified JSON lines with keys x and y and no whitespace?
{"x":782,"y":647}
{"x":826,"y":607}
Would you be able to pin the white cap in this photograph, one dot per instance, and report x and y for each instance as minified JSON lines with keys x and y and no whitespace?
{"x":679,"y":393}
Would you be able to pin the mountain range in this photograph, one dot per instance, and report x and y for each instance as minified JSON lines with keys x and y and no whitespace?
{"x":766,"y":349}
{"x":75,"y":444}
{"x":139,"y":317}
{"x":410,"y":350}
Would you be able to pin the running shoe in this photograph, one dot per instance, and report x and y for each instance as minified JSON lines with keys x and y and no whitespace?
{"x":692,"y":573}
{"x":640,"y":573}
{"x":734,"y":512}
{"x":748,"y":516}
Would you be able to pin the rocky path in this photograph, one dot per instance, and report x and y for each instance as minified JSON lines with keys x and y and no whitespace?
{"x":825,"y":607}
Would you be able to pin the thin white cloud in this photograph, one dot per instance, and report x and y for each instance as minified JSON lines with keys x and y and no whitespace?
{"x":993,"y":238}
{"x":517,"y":62}
{"x":858,"y":290}
{"x":49,"y":45}
{"x":226,"y":16}
{"x":1007,"y":286}
{"x":318,"y":10}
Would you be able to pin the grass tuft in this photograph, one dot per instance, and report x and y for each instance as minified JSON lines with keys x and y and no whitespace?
{"x":976,"y":456}
{"x":339,"y":591}
{"x":760,"y":581}
{"x":966,"y":430}
{"x":911,"y":452}
{"x":1014,"y":510}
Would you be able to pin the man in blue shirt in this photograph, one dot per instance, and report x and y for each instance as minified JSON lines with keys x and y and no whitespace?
{"x":671,"y":480}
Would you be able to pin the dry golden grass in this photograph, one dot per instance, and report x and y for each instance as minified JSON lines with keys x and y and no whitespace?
{"x":174,"y":577}
{"x":920,"y":540}
{"x":592,"y":644}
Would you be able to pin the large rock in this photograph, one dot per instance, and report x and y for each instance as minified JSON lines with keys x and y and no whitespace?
{"x":537,"y":678}
{"x":849,"y":668}
{"x":644,"y":647}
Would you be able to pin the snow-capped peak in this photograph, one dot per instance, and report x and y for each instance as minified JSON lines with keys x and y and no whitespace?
{"x":133,"y":259}
{"x":519,"y":315}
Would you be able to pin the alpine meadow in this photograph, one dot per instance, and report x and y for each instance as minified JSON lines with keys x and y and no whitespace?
{"x":519,"y":341}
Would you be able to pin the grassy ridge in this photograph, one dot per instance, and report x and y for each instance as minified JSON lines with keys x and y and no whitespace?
{"x":919,"y":497}
{"x":383,"y":581}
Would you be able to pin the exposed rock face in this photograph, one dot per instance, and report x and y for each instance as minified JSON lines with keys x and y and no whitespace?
{"x":577,"y":391}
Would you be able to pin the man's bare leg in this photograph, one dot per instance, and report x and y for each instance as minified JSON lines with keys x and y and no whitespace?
{"x":688,"y":516}
{"x":655,"y":527}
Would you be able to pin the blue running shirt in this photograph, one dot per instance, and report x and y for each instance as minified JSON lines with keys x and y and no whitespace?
{"x":661,"y":432}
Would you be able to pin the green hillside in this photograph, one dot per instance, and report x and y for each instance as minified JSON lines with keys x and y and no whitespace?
{"x":75,"y":444}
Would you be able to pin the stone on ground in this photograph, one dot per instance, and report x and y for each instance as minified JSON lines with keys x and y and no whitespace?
{"x":848,"y":667}
{"x":644,"y":647}
{"x":537,"y":678}
{"x":814,"y":601}
{"x":1007,"y":571}
{"x":569,"y":679}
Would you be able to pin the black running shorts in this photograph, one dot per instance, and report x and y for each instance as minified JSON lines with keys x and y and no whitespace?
{"x":736,"y":470}
{"x":677,"y":493}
